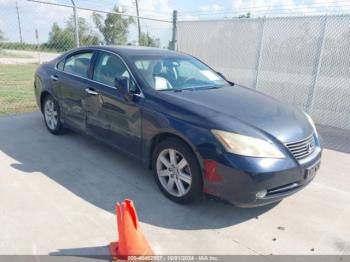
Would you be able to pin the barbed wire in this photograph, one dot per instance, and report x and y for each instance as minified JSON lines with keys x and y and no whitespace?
{"x":280,"y":4}
{"x":306,"y":9}
{"x":284,"y":13}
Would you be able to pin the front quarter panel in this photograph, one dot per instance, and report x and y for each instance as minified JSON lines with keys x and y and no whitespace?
{"x":160,"y":116}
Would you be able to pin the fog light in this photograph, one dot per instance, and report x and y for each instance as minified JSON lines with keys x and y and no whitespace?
{"x":261,"y":194}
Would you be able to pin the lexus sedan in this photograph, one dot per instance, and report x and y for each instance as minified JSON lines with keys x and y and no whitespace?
{"x":197,"y":131}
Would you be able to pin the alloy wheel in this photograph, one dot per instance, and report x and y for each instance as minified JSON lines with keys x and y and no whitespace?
{"x":51,"y":114}
{"x":174,"y":172}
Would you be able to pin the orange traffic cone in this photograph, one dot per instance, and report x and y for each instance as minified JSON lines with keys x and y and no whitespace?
{"x":131,"y":240}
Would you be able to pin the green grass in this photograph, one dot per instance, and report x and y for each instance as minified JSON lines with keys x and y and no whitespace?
{"x":16,"y":88}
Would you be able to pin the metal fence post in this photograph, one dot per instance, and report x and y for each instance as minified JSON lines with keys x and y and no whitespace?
{"x":317,"y":65}
{"x":260,"y":39}
{"x":173,"y":45}
{"x":76,"y":23}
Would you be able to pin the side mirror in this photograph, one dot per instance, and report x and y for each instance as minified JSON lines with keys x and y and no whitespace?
{"x":123,"y":85}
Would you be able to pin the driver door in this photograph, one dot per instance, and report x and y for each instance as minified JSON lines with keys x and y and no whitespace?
{"x":110,"y":117}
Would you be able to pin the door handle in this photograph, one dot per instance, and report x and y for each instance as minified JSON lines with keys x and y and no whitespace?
{"x":54,"y":77}
{"x":91,"y":92}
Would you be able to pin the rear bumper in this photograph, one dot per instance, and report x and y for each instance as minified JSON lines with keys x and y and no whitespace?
{"x":239,"y":179}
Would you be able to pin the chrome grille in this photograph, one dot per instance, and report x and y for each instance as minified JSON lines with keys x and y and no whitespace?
{"x":302,"y":148}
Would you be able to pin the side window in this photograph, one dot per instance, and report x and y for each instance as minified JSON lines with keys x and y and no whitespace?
{"x":78,"y":64}
{"x":108,"y":68}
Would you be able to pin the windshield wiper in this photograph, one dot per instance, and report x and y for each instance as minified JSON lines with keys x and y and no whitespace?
{"x":178,"y":89}
{"x":207,"y":87}
{"x":192,"y":88}
{"x":171,"y":89}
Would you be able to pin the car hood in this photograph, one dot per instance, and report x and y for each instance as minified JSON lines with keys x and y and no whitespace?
{"x":227,"y":106}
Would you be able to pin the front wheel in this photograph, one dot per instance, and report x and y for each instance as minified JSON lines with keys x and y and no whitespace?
{"x":176,"y":171}
{"x":51,"y":111}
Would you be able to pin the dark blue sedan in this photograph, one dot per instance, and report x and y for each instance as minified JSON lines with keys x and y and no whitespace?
{"x":199,"y":132}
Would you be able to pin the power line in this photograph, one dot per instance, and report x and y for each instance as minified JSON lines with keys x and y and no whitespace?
{"x":101,"y":11}
{"x":150,"y":10}
{"x":98,"y":4}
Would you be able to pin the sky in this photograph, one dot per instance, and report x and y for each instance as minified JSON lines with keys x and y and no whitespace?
{"x":41,"y":16}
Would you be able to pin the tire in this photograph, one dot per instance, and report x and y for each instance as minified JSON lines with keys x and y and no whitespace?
{"x":170,"y":170}
{"x":52,"y":115}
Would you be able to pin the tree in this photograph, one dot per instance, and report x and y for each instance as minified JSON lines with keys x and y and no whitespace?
{"x":60,"y":39}
{"x":114,"y":27}
{"x":64,"y":38}
{"x":86,"y":34}
{"x":247,"y":15}
{"x":147,"y":40}
{"x":2,"y":37}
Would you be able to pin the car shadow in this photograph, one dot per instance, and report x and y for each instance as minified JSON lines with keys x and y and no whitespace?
{"x":97,"y":253}
{"x":102,"y":176}
{"x":335,"y":138}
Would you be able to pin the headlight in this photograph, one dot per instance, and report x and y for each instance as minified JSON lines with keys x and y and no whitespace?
{"x":310,"y":121}
{"x":246,"y":145}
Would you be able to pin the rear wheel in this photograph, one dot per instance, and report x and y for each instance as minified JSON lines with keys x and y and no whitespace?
{"x":176,"y":171}
{"x":51,"y":111}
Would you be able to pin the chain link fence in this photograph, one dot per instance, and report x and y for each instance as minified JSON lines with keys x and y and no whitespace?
{"x":33,"y":32}
{"x":303,"y":61}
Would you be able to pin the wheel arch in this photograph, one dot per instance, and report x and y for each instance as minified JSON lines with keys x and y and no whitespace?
{"x":43,"y":95}
{"x":168,"y":134}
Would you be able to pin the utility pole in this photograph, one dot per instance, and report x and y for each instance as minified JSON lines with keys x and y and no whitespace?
{"x":138,"y":20}
{"x":19,"y":24}
{"x":76,"y":24}
{"x":174,"y":40}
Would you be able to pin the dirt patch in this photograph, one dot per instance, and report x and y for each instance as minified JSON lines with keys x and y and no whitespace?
{"x":15,"y":57}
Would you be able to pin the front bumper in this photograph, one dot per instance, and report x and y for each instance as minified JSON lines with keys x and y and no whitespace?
{"x":238,"y":179}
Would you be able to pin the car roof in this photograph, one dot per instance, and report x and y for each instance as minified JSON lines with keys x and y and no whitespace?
{"x":136,"y":50}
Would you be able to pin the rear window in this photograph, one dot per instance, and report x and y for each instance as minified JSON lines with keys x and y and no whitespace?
{"x":78,"y":64}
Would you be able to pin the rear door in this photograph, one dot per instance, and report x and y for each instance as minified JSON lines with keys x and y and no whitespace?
{"x":71,"y":80}
{"x":110,"y":116}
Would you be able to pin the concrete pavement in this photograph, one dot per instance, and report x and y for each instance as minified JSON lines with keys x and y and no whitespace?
{"x":57,"y":196}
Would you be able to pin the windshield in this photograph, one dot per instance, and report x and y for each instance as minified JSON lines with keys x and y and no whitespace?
{"x":177,"y":73}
